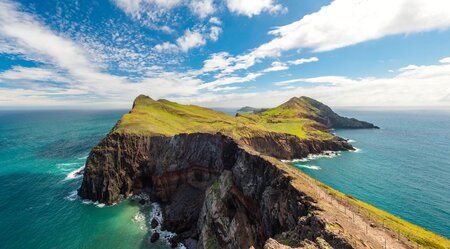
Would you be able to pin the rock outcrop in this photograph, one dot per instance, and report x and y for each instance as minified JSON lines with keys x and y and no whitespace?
{"x":332,"y":120}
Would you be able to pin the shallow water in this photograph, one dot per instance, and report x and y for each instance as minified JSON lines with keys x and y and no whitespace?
{"x":403,"y":168}
{"x":39,"y":207}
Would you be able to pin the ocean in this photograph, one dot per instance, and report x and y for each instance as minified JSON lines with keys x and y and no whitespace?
{"x":403,"y":168}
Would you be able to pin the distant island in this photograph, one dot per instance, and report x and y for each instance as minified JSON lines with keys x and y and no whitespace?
{"x":252,"y":110}
{"x":222,"y":181}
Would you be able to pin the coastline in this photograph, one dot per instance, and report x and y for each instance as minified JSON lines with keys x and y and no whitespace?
{"x":384,"y":228}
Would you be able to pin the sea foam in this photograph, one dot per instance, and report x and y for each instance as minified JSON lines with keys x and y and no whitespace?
{"x":311,"y":157}
{"x":73,"y":195}
{"x":156,"y":214}
{"x":314,"y":167}
{"x":75,"y":174}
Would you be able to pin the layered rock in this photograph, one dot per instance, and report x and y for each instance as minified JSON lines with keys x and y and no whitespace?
{"x":213,"y":189}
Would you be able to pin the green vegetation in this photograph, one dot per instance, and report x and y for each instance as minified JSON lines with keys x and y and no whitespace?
{"x":163,"y":117}
{"x":417,"y":235}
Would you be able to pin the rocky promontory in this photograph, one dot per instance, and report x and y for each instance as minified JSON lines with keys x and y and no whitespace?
{"x":217,"y":177}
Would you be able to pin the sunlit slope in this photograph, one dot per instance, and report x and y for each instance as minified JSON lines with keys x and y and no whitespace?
{"x":163,"y":117}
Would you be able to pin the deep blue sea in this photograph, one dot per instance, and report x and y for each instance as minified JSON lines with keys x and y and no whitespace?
{"x":403,"y":168}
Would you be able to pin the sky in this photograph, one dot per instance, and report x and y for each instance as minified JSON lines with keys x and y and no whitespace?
{"x":224,"y":53}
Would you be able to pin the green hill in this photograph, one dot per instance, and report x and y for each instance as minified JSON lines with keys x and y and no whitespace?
{"x":302,"y":117}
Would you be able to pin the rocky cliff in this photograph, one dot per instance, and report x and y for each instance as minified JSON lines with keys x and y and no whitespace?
{"x":218,"y":190}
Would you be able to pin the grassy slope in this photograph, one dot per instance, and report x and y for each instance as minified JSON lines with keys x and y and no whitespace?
{"x":169,"y":118}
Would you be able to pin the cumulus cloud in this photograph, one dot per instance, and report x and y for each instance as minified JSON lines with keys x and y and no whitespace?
{"x":254,"y":7}
{"x":166,"y":47}
{"x":215,"y":33}
{"x":202,"y":8}
{"x":445,"y":60}
{"x":190,"y":39}
{"x":276,"y":66}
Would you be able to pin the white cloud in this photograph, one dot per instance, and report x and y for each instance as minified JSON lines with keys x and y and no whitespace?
{"x":254,"y":7}
{"x":322,"y":79}
{"x":202,"y":8}
{"x":231,"y":80}
{"x":445,"y":60}
{"x":129,"y":6}
{"x":276,"y":66}
{"x":190,"y":39}
{"x":348,"y":22}
{"x":303,"y":60}
{"x":407,"y":68}
{"x":136,"y":8}
{"x":166,"y":47}
{"x":215,"y":33}
{"x":34,"y":74}
{"x":215,"y":20}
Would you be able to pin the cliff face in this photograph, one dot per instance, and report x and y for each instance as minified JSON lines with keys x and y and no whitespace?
{"x":213,"y":190}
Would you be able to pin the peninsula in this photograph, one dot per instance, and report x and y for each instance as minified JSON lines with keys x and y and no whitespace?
{"x":222,"y":183}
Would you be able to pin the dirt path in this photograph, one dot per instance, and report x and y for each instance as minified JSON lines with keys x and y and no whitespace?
{"x":356,"y":227}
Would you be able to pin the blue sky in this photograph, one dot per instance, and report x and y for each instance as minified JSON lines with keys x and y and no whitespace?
{"x":224,"y":53}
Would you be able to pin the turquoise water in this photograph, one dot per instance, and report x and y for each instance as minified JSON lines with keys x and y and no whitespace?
{"x":403,"y":168}
{"x":38,"y":205}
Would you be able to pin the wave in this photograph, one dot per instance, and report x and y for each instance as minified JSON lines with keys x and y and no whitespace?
{"x":156,"y":214}
{"x":356,"y":150}
{"x":96,"y":203}
{"x":72,"y":196}
{"x":314,"y":167}
{"x":311,"y":157}
{"x":351,"y":140}
{"x":75,"y":174}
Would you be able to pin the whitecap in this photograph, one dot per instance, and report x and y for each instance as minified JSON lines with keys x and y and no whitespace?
{"x":310,"y":157}
{"x":156,"y":214}
{"x":82,"y":158}
{"x":96,"y":203}
{"x":75,"y":174}
{"x":314,"y":167}
{"x":65,"y":164}
{"x":72,"y":196}
{"x":351,"y":140}
{"x":356,"y":150}
{"x":100,"y":205}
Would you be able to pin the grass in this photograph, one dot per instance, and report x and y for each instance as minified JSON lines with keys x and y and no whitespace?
{"x":163,"y":117}
{"x":417,"y":235}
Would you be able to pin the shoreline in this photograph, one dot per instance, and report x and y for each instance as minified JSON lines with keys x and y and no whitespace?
{"x":388,"y":230}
